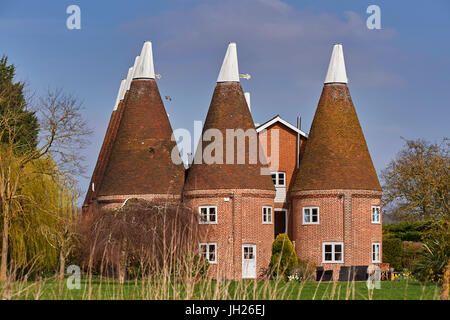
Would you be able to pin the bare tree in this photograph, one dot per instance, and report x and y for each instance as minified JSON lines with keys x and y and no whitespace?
{"x":63,"y":133}
{"x":152,"y":237}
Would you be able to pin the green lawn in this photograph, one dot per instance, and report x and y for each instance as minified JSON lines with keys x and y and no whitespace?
{"x":272,"y":290}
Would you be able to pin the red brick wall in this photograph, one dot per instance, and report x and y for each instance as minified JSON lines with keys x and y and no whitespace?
{"x":287,"y":158}
{"x":248,"y":228}
{"x":354,"y":228}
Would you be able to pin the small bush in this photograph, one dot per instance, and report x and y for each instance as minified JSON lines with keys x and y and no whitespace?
{"x":411,"y":254}
{"x":436,"y":254}
{"x":392,"y":252}
{"x":195,"y":265}
{"x":305,"y":271}
{"x":283,"y":260}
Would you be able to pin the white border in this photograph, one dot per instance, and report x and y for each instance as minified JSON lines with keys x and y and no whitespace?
{"x":379,"y":252}
{"x":286,"y":215}
{"x":271,"y":215}
{"x":278,"y":119}
{"x":379,"y":215}
{"x":207,"y":222}
{"x":256,"y":261}
{"x":208,"y":244}
{"x":303,"y":215}
{"x":277,"y":179}
{"x":332,"y":252}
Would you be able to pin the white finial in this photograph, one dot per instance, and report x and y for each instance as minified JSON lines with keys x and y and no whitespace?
{"x":130,"y":74}
{"x":120,"y":94}
{"x":128,"y":80}
{"x":247,"y":98}
{"x":230,"y":68}
{"x":145,"y":68}
{"x":336,"y":70}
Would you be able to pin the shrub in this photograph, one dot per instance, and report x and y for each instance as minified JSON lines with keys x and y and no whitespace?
{"x":195,"y":265}
{"x":141,"y":238}
{"x":411,"y":254}
{"x":305,"y":271}
{"x":406,"y":231}
{"x":392,"y":252}
{"x":436,"y":253}
{"x":283,"y":260}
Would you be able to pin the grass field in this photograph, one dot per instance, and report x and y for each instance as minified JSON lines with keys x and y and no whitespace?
{"x":224,"y":290}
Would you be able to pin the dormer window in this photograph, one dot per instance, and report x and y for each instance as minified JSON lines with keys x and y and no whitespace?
{"x":279,"y":179}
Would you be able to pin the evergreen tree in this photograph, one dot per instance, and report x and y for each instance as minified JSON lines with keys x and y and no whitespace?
{"x":284,"y":259}
{"x":12,"y":99}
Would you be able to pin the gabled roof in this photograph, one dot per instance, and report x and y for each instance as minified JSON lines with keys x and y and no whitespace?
{"x":276,"y":119}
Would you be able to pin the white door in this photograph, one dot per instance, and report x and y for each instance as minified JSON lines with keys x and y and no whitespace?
{"x":249,"y":261}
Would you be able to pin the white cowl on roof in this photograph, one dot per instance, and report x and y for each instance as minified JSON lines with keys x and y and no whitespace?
{"x":230,"y":69}
{"x":120,"y":94}
{"x":145,"y":68}
{"x":336,"y":70}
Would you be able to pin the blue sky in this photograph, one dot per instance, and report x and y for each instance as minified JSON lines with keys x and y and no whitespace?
{"x":399,"y":76}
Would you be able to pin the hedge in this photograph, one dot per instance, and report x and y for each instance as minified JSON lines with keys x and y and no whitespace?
{"x":406,"y":231}
{"x":392,"y":252}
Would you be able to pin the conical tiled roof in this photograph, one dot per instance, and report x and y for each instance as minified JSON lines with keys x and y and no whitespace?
{"x":111,"y":131}
{"x":140,"y":159}
{"x":228,"y":110}
{"x":336,"y":154}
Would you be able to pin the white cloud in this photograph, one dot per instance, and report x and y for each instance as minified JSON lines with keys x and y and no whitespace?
{"x":272,"y":37}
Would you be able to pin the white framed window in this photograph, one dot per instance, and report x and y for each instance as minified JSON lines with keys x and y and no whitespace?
{"x":332,"y":252}
{"x":279,"y":178}
{"x":267,"y":215}
{"x":207,"y":214}
{"x":376,"y":257}
{"x":209,"y":251}
{"x":311,"y":215}
{"x":376,"y":214}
